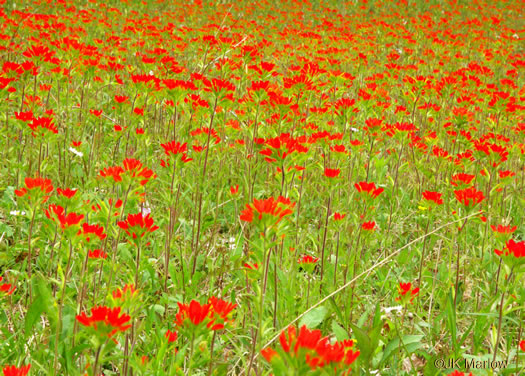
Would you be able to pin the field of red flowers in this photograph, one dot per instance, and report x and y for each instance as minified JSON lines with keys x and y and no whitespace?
{"x":298,"y":187}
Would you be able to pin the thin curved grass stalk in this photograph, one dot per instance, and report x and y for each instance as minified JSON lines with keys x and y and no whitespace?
{"x":365,"y":273}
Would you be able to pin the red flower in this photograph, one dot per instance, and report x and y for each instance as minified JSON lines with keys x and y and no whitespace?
{"x":114,"y":172}
{"x":68,"y":193}
{"x":89,"y":230}
{"x":276,"y":208}
{"x":33,"y":186}
{"x":461,"y":179}
{"x":58,"y":212}
{"x":6,"y":288}
{"x":307,"y":259}
{"x":127,"y":292}
{"x":14,"y":371}
{"x":369,"y":188}
{"x":404,"y":290}
{"x":338,"y":216}
{"x":44,"y":123}
{"x":97,"y":254}
{"x":269,"y":354}
{"x":469,"y":196}
{"x":500,"y":229}
{"x":193,"y":312}
{"x":373,"y":126}
{"x":369,"y":226}
{"x":171,"y":336}
{"x":309,"y":348}
{"x":221,"y":307}
{"x":135,"y":169}
{"x":433,"y":196}
{"x":255,"y":266}
{"x":331,"y":173}
{"x":515,"y":249}
{"x":522,"y":345}
{"x":105,"y":321}
{"x":136,"y":225}
{"x":506,"y":174}
{"x":234,"y":189}
{"x":457,"y":373}
{"x":121,"y":98}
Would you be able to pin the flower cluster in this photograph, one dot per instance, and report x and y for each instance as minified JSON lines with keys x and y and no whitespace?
{"x":137,"y":225}
{"x":105,"y":321}
{"x":16,"y":371}
{"x":194,"y":317}
{"x":6,"y":288}
{"x":308,"y":350}
{"x":268,"y":212}
{"x":513,"y":254}
{"x":406,"y":292}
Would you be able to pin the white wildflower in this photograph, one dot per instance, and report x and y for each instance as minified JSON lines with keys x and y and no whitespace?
{"x":76,"y":152}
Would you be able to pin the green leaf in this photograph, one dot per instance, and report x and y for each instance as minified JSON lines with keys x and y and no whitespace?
{"x":363,"y":342}
{"x":340,"y":333}
{"x":411,"y":342}
{"x":33,"y":314}
{"x":313,"y":318}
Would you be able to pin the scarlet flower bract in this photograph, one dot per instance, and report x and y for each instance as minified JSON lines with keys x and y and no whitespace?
{"x":16,"y":371}
{"x":369,"y":188}
{"x":106,"y":321}
{"x":137,"y":225}
{"x":435,"y":197}
{"x":469,"y":196}
{"x":276,"y":208}
{"x":310,"y":349}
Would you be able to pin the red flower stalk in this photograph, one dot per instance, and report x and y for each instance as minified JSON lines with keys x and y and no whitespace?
{"x":369,"y":188}
{"x":105,"y":321}
{"x":435,"y":197}
{"x":15,"y":371}
{"x":136,"y":225}
{"x":469,"y":196}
